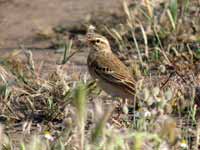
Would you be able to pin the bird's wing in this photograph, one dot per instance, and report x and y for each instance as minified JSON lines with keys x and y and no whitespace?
{"x":112,"y":70}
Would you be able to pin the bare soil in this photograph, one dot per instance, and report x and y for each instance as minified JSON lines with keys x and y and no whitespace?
{"x":20,"y":20}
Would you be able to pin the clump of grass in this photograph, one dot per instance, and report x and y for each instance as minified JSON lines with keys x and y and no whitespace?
{"x":67,"y":54}
{"x":81,"y":110}
{"x":173,"y":12}
{"x":98,"y":131}
{"x":59,"y":111}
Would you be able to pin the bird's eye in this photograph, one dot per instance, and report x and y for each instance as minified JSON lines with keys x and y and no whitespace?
{"x":98,"y":41}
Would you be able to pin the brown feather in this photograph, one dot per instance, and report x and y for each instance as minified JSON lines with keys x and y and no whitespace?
{"x":107,"y":67}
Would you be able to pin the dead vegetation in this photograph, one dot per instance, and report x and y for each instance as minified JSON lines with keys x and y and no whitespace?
{"x":159,"y":41}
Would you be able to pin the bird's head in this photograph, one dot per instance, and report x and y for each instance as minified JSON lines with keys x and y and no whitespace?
{"x":98,"y":42}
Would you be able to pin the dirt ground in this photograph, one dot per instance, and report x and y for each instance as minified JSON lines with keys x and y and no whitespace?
{"x":20,"y":20}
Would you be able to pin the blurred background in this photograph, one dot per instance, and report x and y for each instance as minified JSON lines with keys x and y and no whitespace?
{"x":21,"y":21}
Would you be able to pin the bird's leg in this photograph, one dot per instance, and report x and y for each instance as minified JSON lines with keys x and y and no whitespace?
{"x":121,"y":107}
{"x":125,"y":106}
{"x":121,"y":110}
{"x":117,"y":107}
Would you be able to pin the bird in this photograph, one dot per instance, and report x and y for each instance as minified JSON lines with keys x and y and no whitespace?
{"x":110,"y":73}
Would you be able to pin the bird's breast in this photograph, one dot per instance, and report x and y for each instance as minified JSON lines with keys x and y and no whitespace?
{"x":91,"y":64}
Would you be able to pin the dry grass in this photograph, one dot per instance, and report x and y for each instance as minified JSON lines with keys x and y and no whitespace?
{"x":60,"y":113}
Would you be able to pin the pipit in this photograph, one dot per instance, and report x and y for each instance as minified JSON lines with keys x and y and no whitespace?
{"x":104,"y":66}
